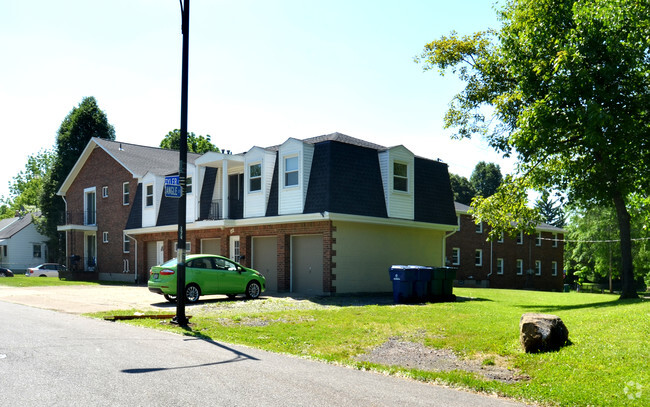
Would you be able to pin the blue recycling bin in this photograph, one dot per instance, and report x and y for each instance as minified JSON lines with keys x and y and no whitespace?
{"x":403,"y":278}
{"x":422,"y":283}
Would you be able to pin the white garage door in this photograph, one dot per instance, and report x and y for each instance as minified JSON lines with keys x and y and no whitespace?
{"x":307,"y":264}
{"x":265,"y":259}
{"x":211,"y":246}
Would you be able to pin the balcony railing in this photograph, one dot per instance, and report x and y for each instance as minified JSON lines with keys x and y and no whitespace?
{"x":211,"y":210}
{"x":86,"y":218}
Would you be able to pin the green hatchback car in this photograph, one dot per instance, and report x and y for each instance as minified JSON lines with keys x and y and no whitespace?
{"x":206,"y":274}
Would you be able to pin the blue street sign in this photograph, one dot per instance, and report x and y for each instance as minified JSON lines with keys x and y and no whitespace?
{"x":173,"y":191}
{"x":172,"y":180}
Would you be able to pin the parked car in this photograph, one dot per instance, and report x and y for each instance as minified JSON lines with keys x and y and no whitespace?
{"x":206,"y":274}
{"x":6,"y":272}
{"x":45,"y":270}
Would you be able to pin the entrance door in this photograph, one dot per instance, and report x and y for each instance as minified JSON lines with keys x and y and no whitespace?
{"x":235,"y":253}
{"x":265,"y":259}
{"x":160,"y":253}
{"x":91,"y":252}
{"x":307,"y":264}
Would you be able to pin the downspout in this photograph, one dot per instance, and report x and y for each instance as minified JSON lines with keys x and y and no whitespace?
{"x":444,"y":246}
{"x":136,"y":256}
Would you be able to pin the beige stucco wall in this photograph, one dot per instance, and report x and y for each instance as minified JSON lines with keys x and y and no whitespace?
{"x":365,"y":252}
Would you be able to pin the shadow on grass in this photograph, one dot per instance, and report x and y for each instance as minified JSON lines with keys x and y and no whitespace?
{"x":595,"y":305}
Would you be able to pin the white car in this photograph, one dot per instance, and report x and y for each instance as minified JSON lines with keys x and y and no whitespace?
{"x":45,"y":270}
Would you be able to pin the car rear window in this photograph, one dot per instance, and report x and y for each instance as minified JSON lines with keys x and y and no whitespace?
{"x":170,"y":263}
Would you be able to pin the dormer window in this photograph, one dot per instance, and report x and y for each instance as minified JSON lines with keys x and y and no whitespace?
{"x":255,"y":177}
{"x":400,"y":177}
{"x":149,"y":195}
{"x":291,"y":171}
{"x":188,"y":185}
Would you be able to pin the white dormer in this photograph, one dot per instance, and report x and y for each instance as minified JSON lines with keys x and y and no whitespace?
{"x":258,"y":174}
{"x":398,"y":175}
{"x":152,"y":189}
{"x":294,"y":166}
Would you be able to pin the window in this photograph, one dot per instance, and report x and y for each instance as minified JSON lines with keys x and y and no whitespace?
{"x":36,"y":251}
{"x":104,"y":192}
{"x":291,"y":171}
{"x":554,"y":239}
{"x":479,"y":227}
{"x":126,"y":244}
{"x":149,"y":195}
{"x":520,"y":267}
{"x":188,"y":246}
{"x":478,"y":257}
{"x":4,"y":251}
{"x":125,"y":193}
{"x":538,"y":240}
{"x":538,"y":267}
{"x":90,"y":206}
{"x":455,"y":256}
{"x":500,"y":239}
{"x":499,"y":266}
{"x":554,"y":268}
{"x":105,"y":237}
{"x":400,"y":177}
{"x":255,"y":177}
{"x":520,"y":238}
{"x":188,"y":185}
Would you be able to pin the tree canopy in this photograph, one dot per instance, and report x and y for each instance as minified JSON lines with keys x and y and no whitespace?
{"x":195,"y":144}
{"x":565,"y":86}
{"x":486,"y":178}
{"x":80,"y":125}
{"x":462,"y":189}
{"x":26,"y":187}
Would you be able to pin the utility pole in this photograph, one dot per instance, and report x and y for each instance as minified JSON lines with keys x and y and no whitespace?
{"x":180,"y":317}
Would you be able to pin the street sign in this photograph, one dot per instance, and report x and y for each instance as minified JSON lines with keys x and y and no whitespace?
{"x":173,"y":187}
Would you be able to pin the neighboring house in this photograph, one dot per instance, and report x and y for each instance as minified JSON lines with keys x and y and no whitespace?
{"x":324,"y":215}
{"x":21,"y":246}
{"x":523,"y":261}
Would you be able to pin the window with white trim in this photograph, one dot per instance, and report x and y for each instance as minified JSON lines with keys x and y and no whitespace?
{"x":520,"y":267}
{"x":149,"y":195}
{"x":538,"y":239}
{"x":500,"y":238}
{"x":478,"y":257}
{"x":126,"y":244}
{"x":125,"y":193}
{"x":538,"y":267}
{"x":36,"y":250}
{"x":105,"y":192}
{"x":255,"y":177}
{"x":520,"y":237}
{"x":400,"y":177}
{"x":499,"y":266}
{"x":105,"y":237}
{"x":479,"y":227}
{"x":554,"y":268}
{"x":188,"y":185}
{"x":554,"y":239}
{"x":455,"y":256}
{"x":291,"y":171}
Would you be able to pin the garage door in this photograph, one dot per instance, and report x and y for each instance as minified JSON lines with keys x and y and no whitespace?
{"x":307,"y":264}
{"x":265,"y":260}
{"x":211,"y":246}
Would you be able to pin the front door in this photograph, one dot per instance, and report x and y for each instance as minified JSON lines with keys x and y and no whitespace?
{"x":160,"y":252}
{"x":236,"y":196}
{"x":235,"y":253}
{"x":91,"y":252}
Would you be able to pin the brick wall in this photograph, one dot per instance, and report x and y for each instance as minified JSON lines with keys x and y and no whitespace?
{"x":468,"y":240}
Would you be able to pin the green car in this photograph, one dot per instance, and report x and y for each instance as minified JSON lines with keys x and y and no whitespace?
{"x":206,"y":274}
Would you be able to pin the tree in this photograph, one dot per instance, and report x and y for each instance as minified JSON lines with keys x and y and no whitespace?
{"x":551,"y":210}
{"x":80,"y":125}
{"x":25,"y":189}
{"x":195,"y":144}
{"x":462,"y":189}
{"x":486,"y":178}
{"x":567,"y":84}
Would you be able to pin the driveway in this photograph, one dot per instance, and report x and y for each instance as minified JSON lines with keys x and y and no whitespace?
{"x":79,"y":299}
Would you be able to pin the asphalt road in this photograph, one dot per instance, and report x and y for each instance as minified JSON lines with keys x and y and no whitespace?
{"x":59,"y":359}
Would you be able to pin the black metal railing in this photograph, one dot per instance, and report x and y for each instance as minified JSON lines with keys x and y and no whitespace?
{"x":211,"y":210}
{"x":87,"y":218}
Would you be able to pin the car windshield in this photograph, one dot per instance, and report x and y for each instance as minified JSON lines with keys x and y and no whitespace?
{"x":170,"y":263}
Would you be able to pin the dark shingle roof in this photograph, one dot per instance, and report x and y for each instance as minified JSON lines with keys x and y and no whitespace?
{"x":9,"y":227}
{"x":341,"y":138}
{"x":142,"y":159}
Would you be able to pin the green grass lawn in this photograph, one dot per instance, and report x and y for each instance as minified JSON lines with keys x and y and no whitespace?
{"x":20,"y":280}
{"x":610,"y":349}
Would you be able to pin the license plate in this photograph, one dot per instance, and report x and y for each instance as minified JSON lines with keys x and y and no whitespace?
{"x":155,"y":276}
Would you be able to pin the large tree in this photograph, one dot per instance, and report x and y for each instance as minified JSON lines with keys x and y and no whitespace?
{"x":568,"y":84}
{"x":80,"y":125}
{"x":195,"y":144}
{"x":26,"y":187}
{"x":486,"y":178}
{"x":462,"y":189}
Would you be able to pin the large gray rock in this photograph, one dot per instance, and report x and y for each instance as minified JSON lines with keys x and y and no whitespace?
{"x":542,"y":332}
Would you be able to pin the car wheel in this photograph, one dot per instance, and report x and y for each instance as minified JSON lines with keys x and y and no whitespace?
{"x":253,"y":290}
{"x":42,"y":275}
{"x":170,"y":298}
{"x":192,"y":293}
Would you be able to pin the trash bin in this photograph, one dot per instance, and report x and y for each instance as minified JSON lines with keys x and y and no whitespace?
{"x":403,"y":278}
{"x":442,"y":284}
{"x":421,"y":284}
{"x":567,"y":288}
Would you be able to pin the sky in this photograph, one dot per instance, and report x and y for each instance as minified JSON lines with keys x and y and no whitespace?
{"x":260,"y":71}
